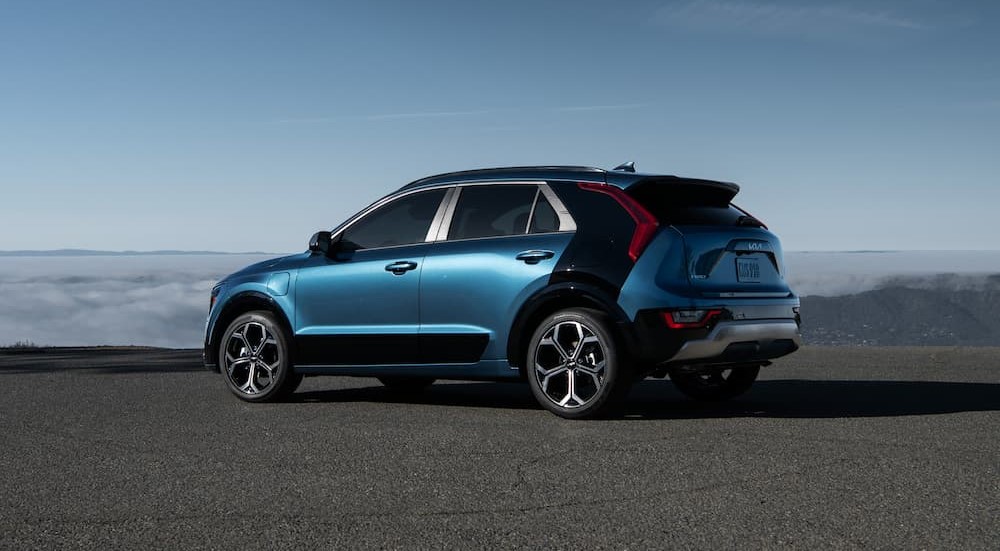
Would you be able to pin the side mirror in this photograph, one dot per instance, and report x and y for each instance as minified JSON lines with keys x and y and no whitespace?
{"x":320,"y":242}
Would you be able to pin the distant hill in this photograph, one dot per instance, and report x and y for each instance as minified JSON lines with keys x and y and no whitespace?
{"x":903,"y":313}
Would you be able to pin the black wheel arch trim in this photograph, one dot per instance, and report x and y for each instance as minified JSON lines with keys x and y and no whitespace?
{"x":240,"y":303}
{"x":557,"y":296}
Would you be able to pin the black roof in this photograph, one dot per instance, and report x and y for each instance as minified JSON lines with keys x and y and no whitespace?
{"x":619,"y":179}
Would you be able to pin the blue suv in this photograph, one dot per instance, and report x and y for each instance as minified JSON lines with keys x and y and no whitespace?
{"x":578,"y":280}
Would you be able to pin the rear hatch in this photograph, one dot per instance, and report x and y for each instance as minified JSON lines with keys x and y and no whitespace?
{"x":728,"y":252}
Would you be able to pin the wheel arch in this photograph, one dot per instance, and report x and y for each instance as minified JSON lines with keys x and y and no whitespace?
{"x":239,"y":304}
{"x":560,"y":296}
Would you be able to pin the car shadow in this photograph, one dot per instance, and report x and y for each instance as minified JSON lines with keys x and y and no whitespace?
{"x":801,"y":398}
{"x":654,"y":399}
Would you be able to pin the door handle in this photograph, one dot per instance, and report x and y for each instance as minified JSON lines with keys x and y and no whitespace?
{"x":401,"y":267}
{"x":534,"y":257}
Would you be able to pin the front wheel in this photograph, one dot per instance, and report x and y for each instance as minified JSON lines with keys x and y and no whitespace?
{"x":715,"y":384}
{"x":254,"y":356}
{"x":573,"y":364}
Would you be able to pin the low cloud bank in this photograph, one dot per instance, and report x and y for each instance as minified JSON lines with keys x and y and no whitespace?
{"x":151,"y":301}
{"x":163,"y":300}
{"x":839,"y":274}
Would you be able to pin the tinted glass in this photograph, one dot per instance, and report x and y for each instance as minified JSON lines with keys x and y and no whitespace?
{"x":490,"y":211}
{"x":679,"y":204}
{"x":401,"y":222}
{"x":696,"y":215}
{"x":544,"y":218}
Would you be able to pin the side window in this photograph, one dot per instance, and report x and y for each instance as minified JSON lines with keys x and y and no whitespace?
{"x":400,"y":222}
{"x":544,"y":218}
{"x":491,"y":211}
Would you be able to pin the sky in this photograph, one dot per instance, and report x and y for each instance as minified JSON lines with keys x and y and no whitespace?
{"x":247,"y":126}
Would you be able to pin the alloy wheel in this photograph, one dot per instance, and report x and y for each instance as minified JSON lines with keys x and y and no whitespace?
{"x":252,"y":358}
{"x":569,"y":364}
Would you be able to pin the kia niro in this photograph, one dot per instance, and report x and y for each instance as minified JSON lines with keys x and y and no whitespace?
{"x":579,"y":281}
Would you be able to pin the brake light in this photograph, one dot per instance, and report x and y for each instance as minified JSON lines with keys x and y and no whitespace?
{"x":645,"y":223}
{"x":215,"y":295}
{"x":690,"y":319}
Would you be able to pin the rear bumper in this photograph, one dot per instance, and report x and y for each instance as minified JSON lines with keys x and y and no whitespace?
{"x":741,"y":341}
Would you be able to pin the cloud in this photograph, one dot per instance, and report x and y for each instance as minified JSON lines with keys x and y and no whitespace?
{"x":455,"y":114}
{"x":83,"y":301}
{"x":427,"y":115}
{"x":387,"y":116}
{"x":780,"y":18}
{"x":615,"y":107}
{"x":839,"y":273}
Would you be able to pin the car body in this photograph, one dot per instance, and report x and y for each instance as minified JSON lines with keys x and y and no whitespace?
{"x":454,"y":276}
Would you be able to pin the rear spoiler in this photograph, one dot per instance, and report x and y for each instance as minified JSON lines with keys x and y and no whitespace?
{"x":687,"y":190}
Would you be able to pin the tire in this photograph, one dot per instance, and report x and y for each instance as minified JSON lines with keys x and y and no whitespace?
{"x":574,"y":365}
{"x":716,"y":384}
{"x":255,"y":359}
{"x":406,"y":384}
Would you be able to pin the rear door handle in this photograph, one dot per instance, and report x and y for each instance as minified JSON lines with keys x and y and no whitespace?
{"x":401,"y":267}
{"x":534,"y":257}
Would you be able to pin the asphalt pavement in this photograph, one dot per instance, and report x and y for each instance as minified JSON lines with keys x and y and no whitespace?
{"x":833,"y":448}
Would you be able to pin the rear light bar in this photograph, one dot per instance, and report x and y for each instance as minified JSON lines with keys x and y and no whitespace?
{"x":691,"y":319}
{"x":645,"y":223}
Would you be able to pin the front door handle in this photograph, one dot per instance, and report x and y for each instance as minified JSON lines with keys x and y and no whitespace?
{"x":401,"y":267}
{"x":534,"y":257}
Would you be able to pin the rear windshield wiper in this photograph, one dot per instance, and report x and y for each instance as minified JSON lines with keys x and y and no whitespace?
{"x":747,"y":220}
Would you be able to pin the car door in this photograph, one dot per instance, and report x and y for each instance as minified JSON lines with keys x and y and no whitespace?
{"x":360,"y":306}
{"x":496,"y":247}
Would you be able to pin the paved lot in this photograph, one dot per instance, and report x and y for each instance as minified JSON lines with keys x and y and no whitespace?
{"x":834,"y":448}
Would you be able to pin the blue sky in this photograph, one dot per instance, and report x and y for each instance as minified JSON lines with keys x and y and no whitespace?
{"x":249,"y":125}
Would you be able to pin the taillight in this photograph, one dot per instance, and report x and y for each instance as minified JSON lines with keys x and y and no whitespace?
{"x":690,"y":319}
{"x":645,"y":223}
{"x":215,"y":295}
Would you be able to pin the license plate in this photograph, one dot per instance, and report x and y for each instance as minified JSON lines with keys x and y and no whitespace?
{"x":747,"y":270}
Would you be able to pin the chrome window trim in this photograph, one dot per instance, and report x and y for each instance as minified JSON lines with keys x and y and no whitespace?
{"x":442,"y":234}
{"x":566,"y":222}
{"x":493,"y":237}
{"x":440,"y":215}
{"x":531,"y":213}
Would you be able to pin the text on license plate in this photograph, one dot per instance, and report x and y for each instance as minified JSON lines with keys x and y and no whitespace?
{"x":747,"y":270}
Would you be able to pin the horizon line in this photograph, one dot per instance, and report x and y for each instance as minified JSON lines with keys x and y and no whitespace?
{"x":196,"y":252}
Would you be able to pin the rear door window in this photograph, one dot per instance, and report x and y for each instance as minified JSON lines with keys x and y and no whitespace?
{"x":492,"y":211}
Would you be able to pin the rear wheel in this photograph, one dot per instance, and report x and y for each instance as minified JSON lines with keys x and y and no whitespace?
{"x":254,"y":356}
{"x":715,"y":384}
{"x":574,"y":367}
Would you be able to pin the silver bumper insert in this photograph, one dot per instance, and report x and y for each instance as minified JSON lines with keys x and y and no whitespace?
{"x":763,"y":333}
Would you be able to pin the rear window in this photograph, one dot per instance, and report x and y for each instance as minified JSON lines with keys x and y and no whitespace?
{"x":690,"y":205}
{"x":694,"y":215}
